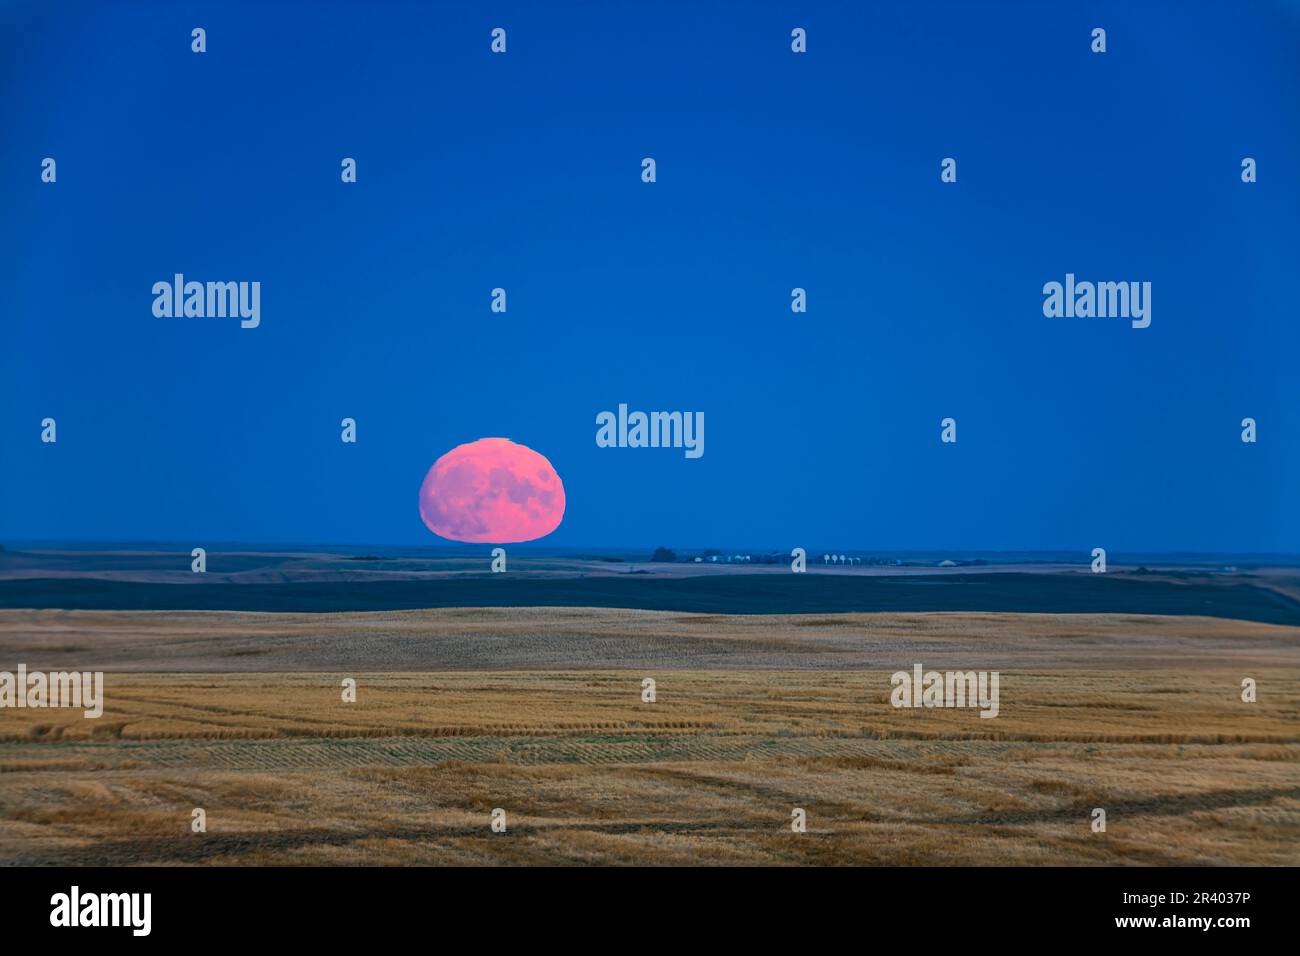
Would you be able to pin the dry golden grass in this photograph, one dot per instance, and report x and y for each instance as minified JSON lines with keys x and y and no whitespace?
{"x":709,"y":773}
{"x":538,"y":711}
{"x":1153,"y":706}
{"x":582,"y":638}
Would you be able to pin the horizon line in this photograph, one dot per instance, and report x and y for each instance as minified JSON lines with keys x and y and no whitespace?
{"x":271,"y":547}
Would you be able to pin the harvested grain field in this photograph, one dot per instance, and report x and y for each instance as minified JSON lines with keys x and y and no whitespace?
{"x":752,"y":718}
{"x":509,"y":638}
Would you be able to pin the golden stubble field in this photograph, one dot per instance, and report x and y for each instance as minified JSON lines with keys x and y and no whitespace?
{"x":1153,"y":730}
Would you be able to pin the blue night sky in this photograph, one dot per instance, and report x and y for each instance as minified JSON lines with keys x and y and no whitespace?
{"x":775,"y":170}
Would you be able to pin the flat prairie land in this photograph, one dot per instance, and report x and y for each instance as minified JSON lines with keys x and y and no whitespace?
{"x":548,"y":638}
{"x":539,"y":712}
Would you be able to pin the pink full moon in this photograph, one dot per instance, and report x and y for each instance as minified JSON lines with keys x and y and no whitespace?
{"x":492,"y":491}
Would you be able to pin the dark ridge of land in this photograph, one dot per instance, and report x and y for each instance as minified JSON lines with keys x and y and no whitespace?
{"x":713,"y":594}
